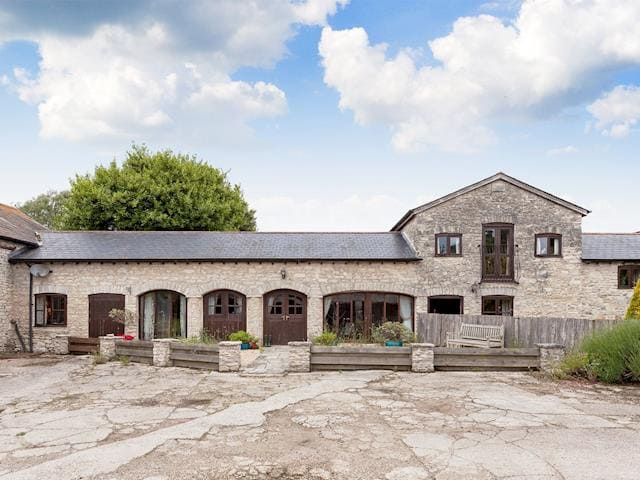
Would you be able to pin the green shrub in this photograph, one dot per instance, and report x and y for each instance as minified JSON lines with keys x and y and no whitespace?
{"x":575,"y":363}
{"x":242,"y":336}
{"x":98,"y":359}
{"x":204,"y":337}
{"x":634,"y":305}
{"x":610,"y":356}
{"x":124,"y":359}
{"x":392,"y":331}
{"x":327,"y":338}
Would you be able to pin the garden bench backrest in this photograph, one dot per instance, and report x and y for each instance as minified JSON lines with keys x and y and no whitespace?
{"x":481,"y":332}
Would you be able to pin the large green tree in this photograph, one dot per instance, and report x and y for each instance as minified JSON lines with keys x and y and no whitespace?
{"x":156,"y":191}
{"x":46,"y":208}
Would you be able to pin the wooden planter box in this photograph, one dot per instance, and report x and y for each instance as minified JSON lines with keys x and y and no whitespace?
{"x":360,"y":358}
{"x":195,"y":356}
{"x":488,"y":359}
{"x":83,"y":346}
{"x":138,"y":351}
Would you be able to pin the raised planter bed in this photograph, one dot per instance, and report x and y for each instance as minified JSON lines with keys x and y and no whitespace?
{"x":360,"y":358}
{"x":138,"y":351}
{"x":205,"y":357}
{"x":83,"y":346}
{"x":495,"y":359}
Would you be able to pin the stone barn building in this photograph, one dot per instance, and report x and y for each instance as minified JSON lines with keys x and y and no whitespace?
{"x":497,"y":247}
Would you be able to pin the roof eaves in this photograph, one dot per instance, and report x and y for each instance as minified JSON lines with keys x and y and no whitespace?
{"x":17,"y":259}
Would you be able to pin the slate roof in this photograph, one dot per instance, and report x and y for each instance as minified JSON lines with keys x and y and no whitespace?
{"x":17,"y":226}
{"x":611,"y":246}
{"x":498,"y":176}
{"x":217,"y":246}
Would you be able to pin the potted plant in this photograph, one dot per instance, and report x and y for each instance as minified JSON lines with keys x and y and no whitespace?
{"x":124,"y":317}
{"x":326,"y":339}
{"x":392,"y":334}
{"x":248,"y":340}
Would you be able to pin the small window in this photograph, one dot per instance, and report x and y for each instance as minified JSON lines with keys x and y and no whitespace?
{"x":497,"y":305}
{"x":548,"y":245}
{"x":51,"y":310}
{"x":628,"y":276}
{"x":448,"y":245}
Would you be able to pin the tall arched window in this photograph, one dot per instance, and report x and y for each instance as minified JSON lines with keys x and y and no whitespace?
{"x":355,"y":314}
{"x":163,"y":314}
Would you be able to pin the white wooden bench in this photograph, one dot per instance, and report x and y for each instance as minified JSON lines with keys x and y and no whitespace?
{"x":482,"y":336}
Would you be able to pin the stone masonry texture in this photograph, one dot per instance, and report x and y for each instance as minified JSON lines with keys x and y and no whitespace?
{"x":422,"y":357}
{"x":555,"y":287}
{"x":299,"y":356}
{"x":229,"y":356}
{"x":550,"y":356}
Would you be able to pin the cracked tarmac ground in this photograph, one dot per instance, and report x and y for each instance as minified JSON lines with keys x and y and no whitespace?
{"x":63,"y":418}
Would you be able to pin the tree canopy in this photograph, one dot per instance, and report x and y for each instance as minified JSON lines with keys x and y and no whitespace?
{"x":156,"y":191}
{"x":46,"y":208}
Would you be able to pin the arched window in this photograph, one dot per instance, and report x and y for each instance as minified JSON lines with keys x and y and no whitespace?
{"x":163,"y":314}
{"x":354,"y":314}
{"x":224,"y":311}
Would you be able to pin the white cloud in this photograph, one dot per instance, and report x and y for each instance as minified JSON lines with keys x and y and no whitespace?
{"x":486,"y":70}
{"x":151,"y":71}
{"x":568,"y":150}
{"x":353,"y":213}
{"x":617,"y":111}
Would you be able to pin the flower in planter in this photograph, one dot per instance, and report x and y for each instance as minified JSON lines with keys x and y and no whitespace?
{"x":242,"y":336}
{"x":392,"y":332}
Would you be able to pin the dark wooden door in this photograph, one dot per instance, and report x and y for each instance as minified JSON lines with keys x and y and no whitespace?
{"x":100,"y":305}
{"x":285,"y":316}
{"x":225,"y":311}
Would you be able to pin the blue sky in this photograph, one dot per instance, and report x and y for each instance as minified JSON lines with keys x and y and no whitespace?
{"x":323,"y":126}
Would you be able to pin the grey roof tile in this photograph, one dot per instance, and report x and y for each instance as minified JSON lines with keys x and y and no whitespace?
{"x":16,"y":225}
{"x":182,"y":246}
{"x":611,"y":246}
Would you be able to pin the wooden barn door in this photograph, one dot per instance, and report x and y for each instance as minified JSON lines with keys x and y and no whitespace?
{"x":100,"y":305}
{"x":285,"y":316}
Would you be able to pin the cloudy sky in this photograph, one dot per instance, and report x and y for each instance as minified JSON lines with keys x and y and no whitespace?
{"x":331,"y":114}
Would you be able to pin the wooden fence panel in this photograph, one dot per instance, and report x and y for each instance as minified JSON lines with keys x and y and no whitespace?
{"x":519,"y":331}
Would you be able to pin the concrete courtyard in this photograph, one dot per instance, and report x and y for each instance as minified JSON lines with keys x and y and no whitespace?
{"x":64,"y":418}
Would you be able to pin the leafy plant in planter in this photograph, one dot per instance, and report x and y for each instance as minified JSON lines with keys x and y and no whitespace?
{"x":248,"y":340}
{"x":392,"y":334}
{"x":327,"y":339}
{"x":124,"y":317}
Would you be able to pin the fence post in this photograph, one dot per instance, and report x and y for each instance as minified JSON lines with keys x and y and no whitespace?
{"x":422,"y":357}
{"x":229,"y":356}
{"x":108,"y":347}
{"x":551,"y":354}
{"x":60,"y":344}
{"x":299,"y":356}
{"x":162,"y":352}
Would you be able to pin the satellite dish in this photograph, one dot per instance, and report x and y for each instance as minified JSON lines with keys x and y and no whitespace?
{"x":39,"y":270}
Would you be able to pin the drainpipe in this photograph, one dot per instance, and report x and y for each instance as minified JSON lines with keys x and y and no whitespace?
{"x":30,"y":310}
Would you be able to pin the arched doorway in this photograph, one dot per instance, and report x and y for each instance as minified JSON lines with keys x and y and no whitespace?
{"x":285,"y":316}
{"x":224,"y":311}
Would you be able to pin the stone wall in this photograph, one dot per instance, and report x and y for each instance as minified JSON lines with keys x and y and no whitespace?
{"x":6,"y":290}
{"x":557,"y":287}
{"x":194,"y":280}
